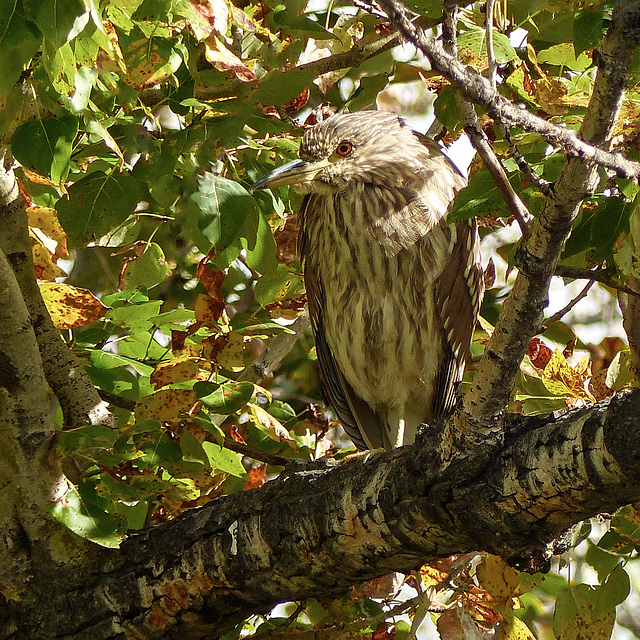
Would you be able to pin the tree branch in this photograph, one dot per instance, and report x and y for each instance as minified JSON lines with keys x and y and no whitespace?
{"x":316,"y":532}
{"x":78,"y":398}
{"x":478,"y":89}
{"x":359,"y":53}
{"x":474,"y":131}
{"x":522,"y":312}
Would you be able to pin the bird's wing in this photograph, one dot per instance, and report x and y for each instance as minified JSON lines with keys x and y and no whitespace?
{"x":361,"y":423}
{"x":458,"y":296}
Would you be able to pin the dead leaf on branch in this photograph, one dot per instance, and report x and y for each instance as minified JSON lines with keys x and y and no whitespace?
{"x":224,"y":60}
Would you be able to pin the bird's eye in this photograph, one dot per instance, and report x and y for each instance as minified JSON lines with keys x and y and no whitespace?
{"x":344,"y":149}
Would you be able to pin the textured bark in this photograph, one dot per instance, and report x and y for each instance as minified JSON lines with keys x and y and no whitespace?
{"x":478,"y":89}
{"x":79,"y":400}
{"x":523,"y":311}
{"x":317,"y":530}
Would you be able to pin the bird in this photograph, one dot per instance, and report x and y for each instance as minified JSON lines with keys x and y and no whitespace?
{"x":393,"y":288}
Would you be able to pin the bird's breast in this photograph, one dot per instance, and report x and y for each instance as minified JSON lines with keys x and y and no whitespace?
{"x":377,"y":293}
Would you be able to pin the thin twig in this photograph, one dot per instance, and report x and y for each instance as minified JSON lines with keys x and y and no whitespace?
{"x":250,"y":452}
{"x":491,"y":58}
{"x":563,"y":312}
{"x":542,"y":184}
{"x":603,"y":276}
{"x":370,"y":6}
{"x":476,"y":134}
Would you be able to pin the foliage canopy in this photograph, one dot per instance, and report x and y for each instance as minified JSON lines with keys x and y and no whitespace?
{"x":138,"y":127}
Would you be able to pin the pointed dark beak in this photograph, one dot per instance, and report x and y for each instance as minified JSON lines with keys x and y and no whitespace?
{"x":294,"y":172}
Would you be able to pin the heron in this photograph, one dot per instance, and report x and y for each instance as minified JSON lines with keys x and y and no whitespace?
{"x":393,"y":287}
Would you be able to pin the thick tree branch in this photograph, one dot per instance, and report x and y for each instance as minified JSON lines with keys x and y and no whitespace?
{"x":478,"y":89}
{"x":66,"y":376}
{"x":30,"y":477}
{"x":315,"y":532}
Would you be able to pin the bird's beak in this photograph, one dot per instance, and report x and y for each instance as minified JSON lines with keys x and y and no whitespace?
{"x":294,"y":172}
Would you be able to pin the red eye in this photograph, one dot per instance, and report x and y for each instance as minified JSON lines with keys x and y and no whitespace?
{"x":344,"y":149}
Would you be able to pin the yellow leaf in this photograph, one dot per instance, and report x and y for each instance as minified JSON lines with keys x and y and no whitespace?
{"x":231,"y":356}
{"x":515,"y":629}
{"x":431,"y":576}
{"x":561,"y":379}
{"x":272,"y":426}
{"x":43,"y":262}
{"x":498,"y":578}
{"x":71,"y":307}
{"x":166,"y":405}
{"x":180,"y":369}
{"x":46,"y":219}
{"x":224,"y":60}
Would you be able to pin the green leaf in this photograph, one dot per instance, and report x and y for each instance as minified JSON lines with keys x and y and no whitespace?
{"x":476,"y":41}
{"x":224,"y":459}
{"x":161,"y":451}
{"x":278,"y":87}
{"x":365,"y":95}
{"x":97,"y":203}
{"x":446,"y":110}
{"x":149,"y":270}
{"x":85,"y":78}
{"x":261,"y":248}
{"x":88,"y":521}
{"x":584,"y":612}
{"x":619,"y":372}
{"x":134,"y":317}
{"x":224,"y":398}
{"x":59,"y":20}
{"x":480,"y":195}
{"x":588,"y":28}
{"x":106,"y":360}
{"x":85,"y":437}
{"x":614,"y":590}
{"x":252,"y":324}
{"x":277,"y":285}
{"x":430,"y":8}
{"x":19,"y":41}
{"x":563,"y":55}
{"x":45,"y":145}
{"x":610,"y":220}
{"x":224,"y":206}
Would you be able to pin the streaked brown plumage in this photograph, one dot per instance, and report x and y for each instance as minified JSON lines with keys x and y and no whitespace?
{"x":393,"y":289}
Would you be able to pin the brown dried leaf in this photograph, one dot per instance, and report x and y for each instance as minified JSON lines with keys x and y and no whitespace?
{"x":539,"y":353}
{"x":489,"y":274}
{"x":224,"y":60}
{"x":208,"y":309}
{"x":298,"y":102}
{"x":256,"y":477}
{"x":287,"y":241}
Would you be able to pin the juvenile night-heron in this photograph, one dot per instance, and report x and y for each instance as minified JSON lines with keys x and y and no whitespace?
{"x":393,"y":289}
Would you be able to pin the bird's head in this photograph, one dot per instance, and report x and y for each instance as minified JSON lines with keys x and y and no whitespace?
{"x":363,"y":147}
